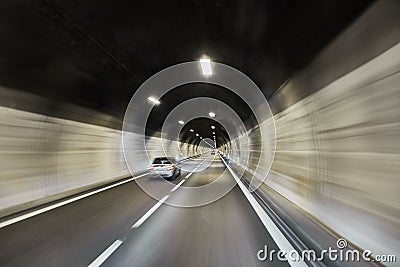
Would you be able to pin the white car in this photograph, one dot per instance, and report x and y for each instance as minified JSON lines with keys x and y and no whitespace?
{"x":165,"y":167}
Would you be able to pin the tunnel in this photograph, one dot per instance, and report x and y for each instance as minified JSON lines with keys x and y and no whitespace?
{"x":199,"y":133}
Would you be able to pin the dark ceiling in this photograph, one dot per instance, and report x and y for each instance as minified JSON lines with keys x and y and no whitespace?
{"x":186,"y":136}
{"x":185,"y":92}
{"x":96,"y":53}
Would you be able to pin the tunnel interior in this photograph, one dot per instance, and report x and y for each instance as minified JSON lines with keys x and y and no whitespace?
{"x":314,"y":140}
{"x":64,"y":50}
{"x":188,"y":133}
{"x":186,"y":92}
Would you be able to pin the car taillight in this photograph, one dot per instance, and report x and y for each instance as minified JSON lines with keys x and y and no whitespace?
{"x":150,"y":168}
{"x":171,"y":167}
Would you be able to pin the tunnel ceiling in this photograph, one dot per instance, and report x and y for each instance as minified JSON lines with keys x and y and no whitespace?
{"x":96,"y":53}
{"x":202,"y":126}
{"x":189,"y":91}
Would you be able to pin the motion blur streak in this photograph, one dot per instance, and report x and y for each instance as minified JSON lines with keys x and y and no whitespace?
{"x":339,"y":148}
{"x":46,"y":158}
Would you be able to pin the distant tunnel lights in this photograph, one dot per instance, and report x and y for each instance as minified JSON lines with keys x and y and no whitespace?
{"x":205,"y":64}
{"x":181,"y":122}
{"x":213,"y":127}
{"x":211,"y":114}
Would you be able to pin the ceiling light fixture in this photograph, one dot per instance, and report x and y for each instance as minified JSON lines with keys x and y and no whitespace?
{"x":213,"y":127}
{"x":205,"y":64}
{"x":191,"y":130}
{"x":181,"y":122}
{"x":211,"y":114}
{"x":154,"y":100}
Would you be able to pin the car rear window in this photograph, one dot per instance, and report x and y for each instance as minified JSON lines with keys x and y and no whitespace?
{"x":161,"y":161}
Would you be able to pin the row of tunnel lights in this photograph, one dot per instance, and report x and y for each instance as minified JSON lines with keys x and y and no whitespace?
{"x":211,"y":114}
{"x":205,"y":64}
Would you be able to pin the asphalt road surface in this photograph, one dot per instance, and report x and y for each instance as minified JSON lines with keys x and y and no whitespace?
{"x":226,"y":232}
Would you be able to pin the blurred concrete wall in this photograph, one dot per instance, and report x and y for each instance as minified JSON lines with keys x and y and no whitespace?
{"x":338,"y":133}
{"x":343,"y":141}
{"x":342,"y":144}
{"x":44,"y":158}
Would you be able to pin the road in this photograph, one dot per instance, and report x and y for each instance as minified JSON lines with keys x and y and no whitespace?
{"x":226,"y":232}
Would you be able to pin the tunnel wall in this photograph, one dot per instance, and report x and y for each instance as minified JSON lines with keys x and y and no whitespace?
{"x":46,"y":158}
{"x":342,"y":144}
{"x":338,"y":154}
{"x":337,"y":149}
{"x":342,"y":141}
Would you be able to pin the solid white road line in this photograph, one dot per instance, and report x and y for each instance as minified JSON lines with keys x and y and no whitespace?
{"x":106,"y":253}
{"x":65,"y":202}
{"x":178,"y":185}
{"x":187,"y":176}
{"x":272,"y":229}
{"x":149,"y":212}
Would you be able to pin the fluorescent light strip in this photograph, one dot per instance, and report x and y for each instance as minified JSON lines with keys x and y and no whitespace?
{"x":154,"y":100}
{"x":205,"y":64}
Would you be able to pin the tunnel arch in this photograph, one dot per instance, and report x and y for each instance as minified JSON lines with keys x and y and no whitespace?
{"x":189,"y":72}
